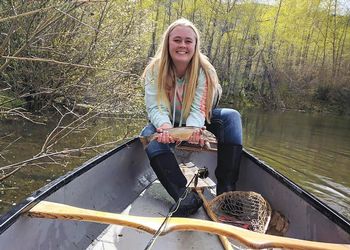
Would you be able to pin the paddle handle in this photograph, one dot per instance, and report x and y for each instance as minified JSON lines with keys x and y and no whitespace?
{"x":50,"y":210}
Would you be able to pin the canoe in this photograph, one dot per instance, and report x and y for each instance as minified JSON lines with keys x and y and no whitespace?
{"x":121,"y":181}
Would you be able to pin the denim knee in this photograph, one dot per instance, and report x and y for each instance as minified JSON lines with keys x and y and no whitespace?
{"x":154,"y":148}
{"x":229,"y":125}
{"x":232,"y":119}
{"x":148,"y":130}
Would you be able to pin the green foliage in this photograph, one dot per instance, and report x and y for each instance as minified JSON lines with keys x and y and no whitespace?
{"x":277,"y":55}
{"x":7,"y":101}
{"x":333,"y":98}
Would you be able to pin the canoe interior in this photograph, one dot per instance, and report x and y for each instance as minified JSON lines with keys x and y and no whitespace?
{"x":155,"y":202}
{"x":121,"y":180}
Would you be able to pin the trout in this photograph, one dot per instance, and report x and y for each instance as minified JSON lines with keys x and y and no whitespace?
{"x":181,"y":134}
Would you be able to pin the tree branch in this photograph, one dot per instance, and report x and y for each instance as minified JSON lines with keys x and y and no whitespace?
{"x":24,"y":163}
{"x":37,"y":59}
{"x":25,"y":14}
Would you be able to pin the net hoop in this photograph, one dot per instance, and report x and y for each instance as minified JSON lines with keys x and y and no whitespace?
{"x":244,"y":209}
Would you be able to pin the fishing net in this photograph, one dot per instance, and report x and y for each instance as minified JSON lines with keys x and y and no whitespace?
{"x":248,"y":210}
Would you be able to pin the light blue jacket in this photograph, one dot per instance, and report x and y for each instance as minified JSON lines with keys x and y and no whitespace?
{"x":159,"y":114}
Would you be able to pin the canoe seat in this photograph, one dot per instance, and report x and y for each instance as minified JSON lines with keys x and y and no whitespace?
{"x":189,"y":170}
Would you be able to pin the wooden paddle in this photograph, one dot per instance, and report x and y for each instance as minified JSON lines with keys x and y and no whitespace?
{"x":50,"y":210}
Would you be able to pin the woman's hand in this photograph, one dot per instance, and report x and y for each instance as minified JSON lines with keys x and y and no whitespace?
{"x":164,"y":136}
{"x":196,"y":137}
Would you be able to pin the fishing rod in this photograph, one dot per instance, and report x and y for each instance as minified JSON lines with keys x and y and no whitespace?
{"x":201,"y":173}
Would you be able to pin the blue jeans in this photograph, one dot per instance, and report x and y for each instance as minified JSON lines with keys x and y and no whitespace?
{"x":225,"y":124}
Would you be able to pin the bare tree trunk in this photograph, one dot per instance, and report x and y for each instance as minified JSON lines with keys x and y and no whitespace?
{"x":211,"y":38}
{"x":228,"y":74}
{"x":334,"y":43}
{"x":212,"y":28}
{"x":325,"y":36}
{"x":152,"y":49}
{"x":169,"y":7}
{"x":269,"y":66}
{"x":194,"y":10}
{"x":257,"y":66}
{"x":306,"y":47}
{"x":316,"y":52}
{"x":250,"y":55}
{"x":341,"y":53}
{"x":225,"y":28}
{"x":239,"y":58}
{"x":180,"y":11}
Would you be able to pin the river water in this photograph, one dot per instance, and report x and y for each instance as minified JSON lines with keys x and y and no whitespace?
{"x":313,"y":150}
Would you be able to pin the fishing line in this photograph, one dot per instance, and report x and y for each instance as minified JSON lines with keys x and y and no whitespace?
{"x":201,"y":173}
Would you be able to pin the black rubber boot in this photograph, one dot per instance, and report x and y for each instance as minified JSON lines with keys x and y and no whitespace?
{"x":170,"y":176}
{"x":227,"y":170}
{"x":189,"y":205}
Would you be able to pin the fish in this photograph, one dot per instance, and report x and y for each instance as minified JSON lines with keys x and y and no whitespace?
{"x":233,"y":221}
{"x":182,"y":134}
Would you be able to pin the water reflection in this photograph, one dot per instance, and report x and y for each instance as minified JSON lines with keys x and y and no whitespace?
{"x":312,"y":150}
{"x":31,"y":138}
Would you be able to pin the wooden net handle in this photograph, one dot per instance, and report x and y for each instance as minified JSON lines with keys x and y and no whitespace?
{"x":224,"y":241}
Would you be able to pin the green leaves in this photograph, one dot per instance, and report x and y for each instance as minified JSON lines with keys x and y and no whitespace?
{"x":57,"y":51}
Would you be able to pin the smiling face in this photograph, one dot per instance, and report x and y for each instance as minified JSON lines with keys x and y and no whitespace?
{"x":182,"y":45}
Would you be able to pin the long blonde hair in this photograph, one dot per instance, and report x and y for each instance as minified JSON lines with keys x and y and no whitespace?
{"x":166,"y":72}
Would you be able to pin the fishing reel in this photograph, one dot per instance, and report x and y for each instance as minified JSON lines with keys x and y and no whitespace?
{"x":201,"y":173}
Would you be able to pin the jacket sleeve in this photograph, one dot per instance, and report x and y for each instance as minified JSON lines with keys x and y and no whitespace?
{"x":157,"y":114}
{"x":196,"y":116}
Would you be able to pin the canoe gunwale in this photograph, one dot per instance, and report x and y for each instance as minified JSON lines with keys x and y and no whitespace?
{"x":11,"y":216}
{"x":323,"y":208}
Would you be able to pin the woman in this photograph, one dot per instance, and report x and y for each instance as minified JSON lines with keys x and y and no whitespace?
{"x":182,"y":89}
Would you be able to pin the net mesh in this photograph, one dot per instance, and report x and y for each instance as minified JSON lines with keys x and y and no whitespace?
{"x":244,"y":209}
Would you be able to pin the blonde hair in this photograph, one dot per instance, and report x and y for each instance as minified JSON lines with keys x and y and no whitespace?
{"x":166,"y":74}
